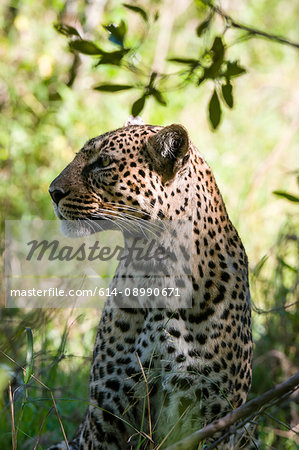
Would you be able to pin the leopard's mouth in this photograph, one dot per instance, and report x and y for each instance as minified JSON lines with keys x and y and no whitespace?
{"x":57,"y":212}
{"x":64,"y":215}
{"x":59,"y":215}
{"x":79,"y":226}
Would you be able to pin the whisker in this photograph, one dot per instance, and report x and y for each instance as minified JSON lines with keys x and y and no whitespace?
{"x":93,"y":223}
{"x":129,"y":222}
{"x":142,"y":224}
{"x":116,"y":221}
{"x":128,"y":208}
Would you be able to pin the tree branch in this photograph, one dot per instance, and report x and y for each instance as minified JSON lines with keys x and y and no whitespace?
{"x":249,"y":409}
{"x":253,"y":31}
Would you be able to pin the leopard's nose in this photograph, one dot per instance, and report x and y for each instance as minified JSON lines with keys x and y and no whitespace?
{"x":57,"y":194}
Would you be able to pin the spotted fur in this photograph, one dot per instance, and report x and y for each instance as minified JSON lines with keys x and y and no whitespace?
{"x":200,"y":357}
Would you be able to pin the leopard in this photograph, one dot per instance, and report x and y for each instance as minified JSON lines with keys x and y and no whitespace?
{"x":159,"y":373}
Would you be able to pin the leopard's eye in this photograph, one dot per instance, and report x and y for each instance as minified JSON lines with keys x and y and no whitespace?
{"x":104,"y":161}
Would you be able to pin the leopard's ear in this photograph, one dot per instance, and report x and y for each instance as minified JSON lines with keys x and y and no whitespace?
{"x":131,"y":120}
{"x":168,"y":150}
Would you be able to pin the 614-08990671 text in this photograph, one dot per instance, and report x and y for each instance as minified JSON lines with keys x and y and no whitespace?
{"x":102,"y":292}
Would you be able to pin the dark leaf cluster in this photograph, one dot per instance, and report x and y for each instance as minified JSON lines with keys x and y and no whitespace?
{"x":212,"y":65}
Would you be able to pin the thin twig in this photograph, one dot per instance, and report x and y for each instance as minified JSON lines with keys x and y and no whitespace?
{"x":280,"y":422}
{"x":253,"y":31}
{"x":249,"y":419}
{"x":286,"y":434}
{"x":277,"y":309}
{"x":247,"y":411}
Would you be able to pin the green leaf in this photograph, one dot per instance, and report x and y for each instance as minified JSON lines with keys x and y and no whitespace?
{"x":112,"y":87}
{"x":137,"y":10}
{"x":86,"y":47}
{"x":201,"y":80}
{"x":259,"y":266}
{"x":138,"y":106}
{"x":218,"y":50}
{"x":184,"y":61}
{"x":203,"y":26}
{"x":152,"y":78}
{"x":29,"y":357}
{"x":233,"y":69}
{"x":227,"y":93}
{"x":66,"y":30}
{"x":117,"y":32}
{"x":214,"y":110}
{"x":286,"y":195}
{"x":286,"y":265}
{"x":159,"y":97}
{"x":212,"y":72}
{"x":113,"y":58}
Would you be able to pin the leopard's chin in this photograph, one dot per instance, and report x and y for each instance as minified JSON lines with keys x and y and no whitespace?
{"x":73,"y":228}
{"x":76,"y":228}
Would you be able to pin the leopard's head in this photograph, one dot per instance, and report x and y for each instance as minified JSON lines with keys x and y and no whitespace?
{"x":127,"y":174}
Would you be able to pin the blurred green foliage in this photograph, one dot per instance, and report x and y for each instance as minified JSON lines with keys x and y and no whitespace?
{"x":49,"y":109}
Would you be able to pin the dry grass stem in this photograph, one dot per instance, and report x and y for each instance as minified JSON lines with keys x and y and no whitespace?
{"x":52,"y":397}
{"x":148,"y":403}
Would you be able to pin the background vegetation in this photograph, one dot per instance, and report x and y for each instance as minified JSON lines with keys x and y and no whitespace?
{"x":49,"y":109}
